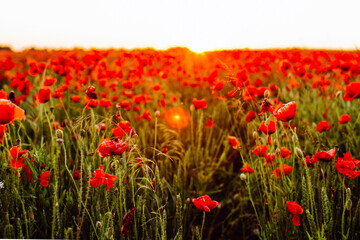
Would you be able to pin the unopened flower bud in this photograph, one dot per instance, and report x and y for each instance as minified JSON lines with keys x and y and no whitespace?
{"x":157,"y":114}
{"x":59,"y":133}
{"x":267,"y":93}
{"x":255,"y":134}
{"x":348,"y":204}
{"x":98,"y":224}
{"x":188,"y":201}
{"x":338,"y":94}
{"x":278,"y":151}
{"x":299,"y":152}
{"x":243,"y":176}
{"x":192,"y":108}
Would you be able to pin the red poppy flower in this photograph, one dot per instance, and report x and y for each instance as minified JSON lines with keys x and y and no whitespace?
{"x":102,"y":178}
{"x":125,"y":104}
{"x":122,"y":128}
{"x":250,"y":116}
{"x":109,"y":147}
{"x":199,"y":104}
{"x":323,"y":156}
{"x":91,"y":93}
{"x":285,"y":112}
{"x":269,"y":129}
{"x":269,"y":158}
{"x":204,"y":203}
{"x":44,"y":179}
{"x":75,"y":98}
{"x":282,"y":169}
{"x":323,"y":126}
{"x":346,"y":166}
{"x":260,"y":150}
{"x":265,"y":107}
{"x":352,"y":91}
{"x":10,"y":112}
{"x":295,"y":210}
{"x":209,"y":123}
{"x":76,"y":175}
{"x":234,"y":142}
{"x":246,"y":169}
{"x":344,"y":118}
{"x":128,"y":221}
{"x":44,"y":95}
{"x":232,"y":93}
{"x":17,"y":160}
{"x":284,"y":152}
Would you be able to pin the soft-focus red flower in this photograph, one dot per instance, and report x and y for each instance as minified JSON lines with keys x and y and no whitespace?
{"x":102,"y":178}
{"x":269,"y":129}
{"x":209,"y":123}
{"x":177,"y":118}
{"x":204,"y":203}
{"x":109,"y":147}
{"x":246,"y":169}
{"x":44,"y":95}
{"x":266,"y":106}
{"x":3,"y":94}
{"x":125,"y":104}
{"x":75,"y":98}
{"x":234,"y":142}
{"x":44,"y":179}
{"x":323,"y":126}
{"x":282,"y":169}
{"x":100,"y":126}
{"x":352,"y":91}
{"x":295,"y":210}
{"x":344,"y":118}
{"x":91,"y":93}
{"x":250,"y":116}
{"x":17,"y":160}
{"x":285,"y":152}
{"x":164,"y":150}
{"x":260,"y":150}
{"x":128,"y":221}
{"x":199,"y":104}
{"x":76,"y":175}
{"x":10,"y":112}
{"x":285,"y":112}
{"x":269,"y":158}
{"x":232,"y":93}
{"x":123,"y":127}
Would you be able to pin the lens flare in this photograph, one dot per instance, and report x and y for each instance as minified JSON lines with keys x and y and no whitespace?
{"x":177,"y":118}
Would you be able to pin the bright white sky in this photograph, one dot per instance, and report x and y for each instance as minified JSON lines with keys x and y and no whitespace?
{"x":198,"y":25}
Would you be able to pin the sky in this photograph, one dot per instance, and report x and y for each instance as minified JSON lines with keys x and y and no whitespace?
{"x":199,"y":25}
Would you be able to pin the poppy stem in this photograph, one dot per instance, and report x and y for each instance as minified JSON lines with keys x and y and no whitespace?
{"x":202,"y":225}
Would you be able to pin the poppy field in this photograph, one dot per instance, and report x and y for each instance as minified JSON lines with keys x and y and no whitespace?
{"x":172,"y":144}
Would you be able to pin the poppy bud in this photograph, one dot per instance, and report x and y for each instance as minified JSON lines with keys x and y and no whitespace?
{"x":12,"y":96}
{"x":348,"y":204}
{"x":278,"y":151}
{"x":338,"y":94}
{"x":299,"y":152}
{"x":192,"y":108}
{"x":98,"y":224}
{"x":255,"y":134}
{"x":188,"y":201}
{"x":275,"y":142}
{"x":243,"y":176}
{"x":59,"y":133}
{"x":267,"y":93}
{"x":157,"y":114}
